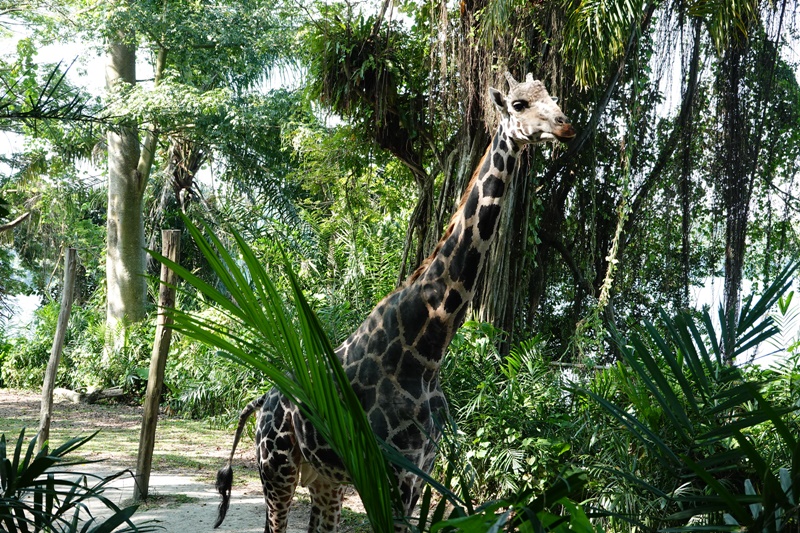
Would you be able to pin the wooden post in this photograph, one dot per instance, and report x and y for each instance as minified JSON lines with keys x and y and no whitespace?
{"x":67,"y":295}
{"x":170,"y":246}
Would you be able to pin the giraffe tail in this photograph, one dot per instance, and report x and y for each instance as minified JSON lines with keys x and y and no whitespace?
{"x":224,"y":482}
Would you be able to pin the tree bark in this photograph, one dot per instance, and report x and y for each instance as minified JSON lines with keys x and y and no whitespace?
{"x":125,"y":256}
{"x":171,"y":241}
{"x":67,"y":293}
{"x":499,"y":292}
{"x":736,"y":181}
{"x":128,"y":172}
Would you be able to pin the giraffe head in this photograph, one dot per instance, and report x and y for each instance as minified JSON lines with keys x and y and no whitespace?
{"x":530,"y":114}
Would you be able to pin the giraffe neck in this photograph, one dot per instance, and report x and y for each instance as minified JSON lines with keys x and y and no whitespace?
{"x":448,"y":281}
{"x":408,"y":332}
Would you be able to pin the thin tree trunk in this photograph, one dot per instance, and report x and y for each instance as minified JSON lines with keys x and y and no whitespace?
{"x":171,"y":241}
{"x":151,"y":138}
{"x":685,"y":183}
{"x":740,"y":152}
{"x":67,"y":294}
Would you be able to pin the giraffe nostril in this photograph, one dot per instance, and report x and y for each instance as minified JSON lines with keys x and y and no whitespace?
{"x":562,"y":120}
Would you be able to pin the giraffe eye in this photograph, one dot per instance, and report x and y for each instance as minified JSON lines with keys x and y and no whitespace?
{"x":520,"y":105}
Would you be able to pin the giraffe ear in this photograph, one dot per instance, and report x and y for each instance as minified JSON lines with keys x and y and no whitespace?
{"x":499,"y":100}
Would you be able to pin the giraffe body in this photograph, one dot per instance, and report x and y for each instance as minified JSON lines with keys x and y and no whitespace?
{"x":392,"y":360}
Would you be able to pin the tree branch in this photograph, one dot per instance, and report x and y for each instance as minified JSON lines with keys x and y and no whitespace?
{"x":14,"y":223}
{"x":151,"y":138}
{"x":583,"y":283}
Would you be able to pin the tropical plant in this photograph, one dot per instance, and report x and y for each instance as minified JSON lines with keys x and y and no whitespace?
{"x":203,"y":386}
{"x":257,"y":331}
{"x":83,"y":365}
{"x":700,"y":420}
{"x":549,"y":508}
{"x":34,"y":497}
{"x":250,"y":326}
{"x":34,"y":92}
{"x":25,"y":359}
{"x":508,"y":411}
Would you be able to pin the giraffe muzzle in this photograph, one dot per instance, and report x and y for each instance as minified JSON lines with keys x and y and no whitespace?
{"x":565,"y":133}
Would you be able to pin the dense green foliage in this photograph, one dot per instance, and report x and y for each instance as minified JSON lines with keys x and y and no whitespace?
{"x":514,"y":409}
{"x":671,"y":436}
{"x":252,"y":328}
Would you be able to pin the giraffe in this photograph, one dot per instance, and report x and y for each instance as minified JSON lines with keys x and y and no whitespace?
{"x":392,"y":360}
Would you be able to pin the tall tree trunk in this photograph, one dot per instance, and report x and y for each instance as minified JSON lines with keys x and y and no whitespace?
{"x":559,"y":180}
{"x":418,"y":240}
{"x":736,"y":178}
{"x":502,"y":289}
{"x":125,"y":259}
{"x":128,"y":172}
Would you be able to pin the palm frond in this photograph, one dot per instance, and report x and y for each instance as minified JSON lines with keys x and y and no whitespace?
{"x":710,"y":409}
{"x":34,"y":496}
{"x":596,"y":34}
{"x":294,"y":354}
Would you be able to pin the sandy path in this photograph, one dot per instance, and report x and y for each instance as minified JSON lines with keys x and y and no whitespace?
{"x":246,"y":513}
{"x":184,"y":499}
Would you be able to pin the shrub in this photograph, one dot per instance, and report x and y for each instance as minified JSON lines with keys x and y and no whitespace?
{"x":203,"y":385}
{"x":510,"y":411}
{"x":34,"y":497}
{"x":84,"y":363}
{"x":26,"y":358}
{"x":717,"y":452}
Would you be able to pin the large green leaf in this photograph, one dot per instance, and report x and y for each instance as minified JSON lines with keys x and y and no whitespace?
{"x":711,"y":411}
{"x":258,"y":331}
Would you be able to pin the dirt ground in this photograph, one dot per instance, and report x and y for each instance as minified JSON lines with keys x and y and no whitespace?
{"x":187,"y":454}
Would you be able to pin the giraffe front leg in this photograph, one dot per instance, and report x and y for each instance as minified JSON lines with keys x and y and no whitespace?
{"x":326,"y":505}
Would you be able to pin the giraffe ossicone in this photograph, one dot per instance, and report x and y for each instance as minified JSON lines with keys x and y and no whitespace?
{"x":392,"y":360}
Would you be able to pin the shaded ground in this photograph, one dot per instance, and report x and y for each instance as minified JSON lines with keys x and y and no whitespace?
{"x":185,"y":460}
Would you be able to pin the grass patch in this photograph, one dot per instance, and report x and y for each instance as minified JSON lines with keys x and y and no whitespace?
{"x":176,"y":461}
{"x":182,"y":446}
{"x":352,"y":521}
{"x":157,"y":501}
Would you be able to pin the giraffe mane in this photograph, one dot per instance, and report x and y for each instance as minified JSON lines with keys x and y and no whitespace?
{"x":428,"y":260}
